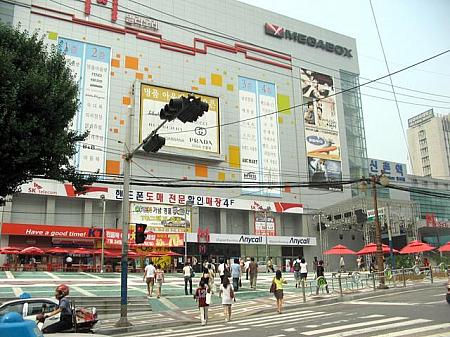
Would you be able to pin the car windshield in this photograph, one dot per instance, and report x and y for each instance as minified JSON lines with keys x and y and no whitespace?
{"x":13,"y":307}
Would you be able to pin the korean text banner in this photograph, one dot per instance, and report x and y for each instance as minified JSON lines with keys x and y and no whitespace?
{"x":259,"y":139}
{"x":90,"y":67}
{"x":394,"y":171}
{"x":161,"y":218}
{"x":113,"y":237}
{"x":323,"y":146}
{"x":202,"y":135}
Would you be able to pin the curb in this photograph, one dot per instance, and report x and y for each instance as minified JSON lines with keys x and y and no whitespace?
{"x":181,"y":320}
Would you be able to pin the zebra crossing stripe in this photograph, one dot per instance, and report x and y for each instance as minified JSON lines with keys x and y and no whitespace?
{"x":379,"y":328}
{"x":266,"y":318}
{"x":294,"y":320}
{"x":355,"y":325}
{"x":203,"y":332}
{"x":419,"y":330}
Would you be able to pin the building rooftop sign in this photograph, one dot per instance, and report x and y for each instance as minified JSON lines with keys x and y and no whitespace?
{"x":421,"y":118}
{"x":281,"y":32}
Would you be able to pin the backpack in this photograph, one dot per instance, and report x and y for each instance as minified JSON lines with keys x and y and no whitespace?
{"x":296,"y":266}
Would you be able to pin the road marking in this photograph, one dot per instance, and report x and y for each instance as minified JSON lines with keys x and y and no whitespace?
{"x":290,"y":330}
{"x":355,"y":325}
{"x":16,"y":290}
{"x":265,"y":318}
{"x":277,"y":336}
{"x":168,"y":303}
{"x":417,"y":330}
{"x":53,"y":276}
{"x":281,"y":319}
{"x":435,"y":302}
{"x":372,"y":316}
{"x":446,"y":334}
{"x":198,"y":332}
{"x":92,"y":275}
{"x":9,"y":274}
{"x":381,"y":303}
{"x":359,"y":332}
{"x":82,"y":291}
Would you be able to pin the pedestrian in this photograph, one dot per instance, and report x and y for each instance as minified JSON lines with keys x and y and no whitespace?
{"x":200,"y":297}
{"x":227,"y":293}
{"x":270,"y":265}
{"x":236,"y":273}
{"x":159,"y":277}
{"x":278,"y":280}
{"x":212,"y":274}
{"x":205,"y":276}
{"x":253,"y":272}
{"x":188,"y":274}
{"x":359,"y":262}
{"x":221,"y":270}
{"x":315,"y":263}
{"x":149,"y":277}
{"x":303,"y":269}
{"x":320,"y":277}
{"x":69,"y":263}
{"x":296,"y":268}
{"x":246,"y":264}
{"x":342,"y":264}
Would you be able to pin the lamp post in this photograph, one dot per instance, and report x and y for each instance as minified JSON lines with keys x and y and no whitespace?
{"x":319,"y":215}
{"x":189,"y":204}
{"x":102,"y":259}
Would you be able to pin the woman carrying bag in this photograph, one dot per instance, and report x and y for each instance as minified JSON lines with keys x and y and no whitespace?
{"x":277,"y":289}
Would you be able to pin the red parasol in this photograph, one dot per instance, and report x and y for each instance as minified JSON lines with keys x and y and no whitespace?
{"x":371,"y":248}
{"x":10,"y":250}
{"x":445,"y":248}
{"x":416,"y":247}
{"x":339,"y":250}
{"x":32,"y":251}
{"x":154,"y":254}
{"x":81,"y":251}
{"x":170,"y":253}
{"x":57,"y":250}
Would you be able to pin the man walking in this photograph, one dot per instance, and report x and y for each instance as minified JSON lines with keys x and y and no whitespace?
{"x":342,"y":264}
{"x":236,"y":274}
{"x":253,"y":273}
{"x":246,"y":265}
{"x":149,"y":277}
{"x":187,"y":272}
{"x":297,"y":271}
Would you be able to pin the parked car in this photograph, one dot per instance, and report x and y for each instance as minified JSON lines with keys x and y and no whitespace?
{"x":30,"y":308}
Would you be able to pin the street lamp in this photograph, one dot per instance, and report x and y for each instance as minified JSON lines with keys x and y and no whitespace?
{"x":189,"y":204}
{"x":319,"y":215}
{"x":383,"y":180}
{"x":103,"y":233}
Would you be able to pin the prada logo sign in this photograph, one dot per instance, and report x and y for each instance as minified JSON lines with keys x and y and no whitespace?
{"x":310,"y":41}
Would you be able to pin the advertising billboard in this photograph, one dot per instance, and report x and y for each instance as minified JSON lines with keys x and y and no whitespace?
{"x":260,"y":225}
{"x":394,"y":171}
{"x":90,"y":66}
{"x":202,"y":135}
{"x":161,"y":218}
{"x":259,"y":139}
{"x":323,"y":147}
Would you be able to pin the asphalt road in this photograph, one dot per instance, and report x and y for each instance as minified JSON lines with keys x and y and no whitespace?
{"x":423,"y":312}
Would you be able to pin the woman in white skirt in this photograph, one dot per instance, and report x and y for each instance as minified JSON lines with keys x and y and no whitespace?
{"x":227,"y":294}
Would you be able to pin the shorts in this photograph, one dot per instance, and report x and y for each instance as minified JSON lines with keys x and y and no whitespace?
{"x":297,"y":275}
{"x":303,"y":276}
{"x":150,"y":280}
{"x":279,"y":294}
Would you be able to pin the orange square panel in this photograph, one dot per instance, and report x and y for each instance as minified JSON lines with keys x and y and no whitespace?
{"x":201,"y":170}
{"x":112,"y":167}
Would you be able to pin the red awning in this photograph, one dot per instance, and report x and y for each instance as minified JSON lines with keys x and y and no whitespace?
{"x":81,"y":251}
{"x":57,"y":250}
{"x":339,"y":250}
{"x":445,"y":248}
{"x":416,"y":247}
{"x":371,"y":248}
{"x":32,"y":251}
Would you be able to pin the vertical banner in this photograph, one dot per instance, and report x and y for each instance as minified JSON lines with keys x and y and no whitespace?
{"x":260,"y":225}
{"x":259,"y":135}
{"x":322,"y":140}
{"x":90,"y":65}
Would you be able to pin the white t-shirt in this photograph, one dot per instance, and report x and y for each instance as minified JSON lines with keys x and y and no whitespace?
{"x":303,"y":267}
{"x":226,"y":294}
{"x":150,"y":270}
{"x":69,"y":259}
{"x":246,"y":265}
{"x":187,"y":271}
{"x":221,"y":269}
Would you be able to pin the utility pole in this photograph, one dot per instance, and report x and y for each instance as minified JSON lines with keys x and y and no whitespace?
{"x":184,"y":109}
{"x":378,"y":242}
{"x":103,"y":233}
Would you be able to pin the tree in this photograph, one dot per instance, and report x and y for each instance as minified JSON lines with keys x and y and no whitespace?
{"x":38,"y":100}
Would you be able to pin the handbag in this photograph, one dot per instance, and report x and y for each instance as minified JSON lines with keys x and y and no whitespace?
{"x":273,"y":287}
{"x":192,"y":273}
{"x":208,"y":298}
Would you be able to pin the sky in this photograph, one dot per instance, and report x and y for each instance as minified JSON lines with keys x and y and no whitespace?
{"x":411,"y":31}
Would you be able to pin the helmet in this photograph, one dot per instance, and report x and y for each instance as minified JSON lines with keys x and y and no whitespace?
{"x":63,"y":290}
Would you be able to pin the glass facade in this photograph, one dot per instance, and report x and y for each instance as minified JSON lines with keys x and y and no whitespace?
{"x":354,"y":127}
{"x":440,"y":207}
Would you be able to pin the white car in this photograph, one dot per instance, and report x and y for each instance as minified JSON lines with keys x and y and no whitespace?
{"x":30,"y":307}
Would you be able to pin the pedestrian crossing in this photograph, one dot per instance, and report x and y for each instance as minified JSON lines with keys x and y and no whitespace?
{"x":320,"y":322}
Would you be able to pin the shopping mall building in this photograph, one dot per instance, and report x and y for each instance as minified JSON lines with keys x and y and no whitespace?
{"x":130,"y":59}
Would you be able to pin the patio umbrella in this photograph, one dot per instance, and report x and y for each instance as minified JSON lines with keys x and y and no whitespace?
{"x":57,"y":250}
{"x":170,"y":253}
{"x":81,"y":251}
{"x":371,"y":248}
{"x":416,"y":247}
{"x":339,"y":250}
{"x":154,"y":254}
{"x":445,"y":248}
{"x":32,"y":251}
{"x":10,"y":250}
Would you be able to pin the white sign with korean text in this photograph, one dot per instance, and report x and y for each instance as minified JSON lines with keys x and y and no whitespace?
{"x":394,"y":171}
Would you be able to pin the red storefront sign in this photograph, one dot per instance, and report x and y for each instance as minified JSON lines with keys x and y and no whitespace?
{"x":51,"y":231}
{"x":113,"y":237}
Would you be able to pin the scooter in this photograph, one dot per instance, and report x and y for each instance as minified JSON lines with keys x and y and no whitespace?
{"x":83,"y":320}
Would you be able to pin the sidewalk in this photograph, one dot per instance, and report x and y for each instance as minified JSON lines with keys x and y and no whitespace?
{"x":244,"y":308}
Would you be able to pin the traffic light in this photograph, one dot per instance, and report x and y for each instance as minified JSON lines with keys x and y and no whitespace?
{"x":154,"y":143}
{"x":185,"y":109}
{"x":140,"y":233}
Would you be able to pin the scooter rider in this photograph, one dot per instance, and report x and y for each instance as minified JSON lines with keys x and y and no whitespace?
{"x":65,"y":322}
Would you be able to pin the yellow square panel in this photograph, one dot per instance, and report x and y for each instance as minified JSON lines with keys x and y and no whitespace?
{"x":202,"y":81}
{"x":230,"y":87}
{"x":284,"y":103}
{"x":221,"y":176}
{"x":53,"y":36}
{"x":216,"y":80}
{"x":234,"y":155}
